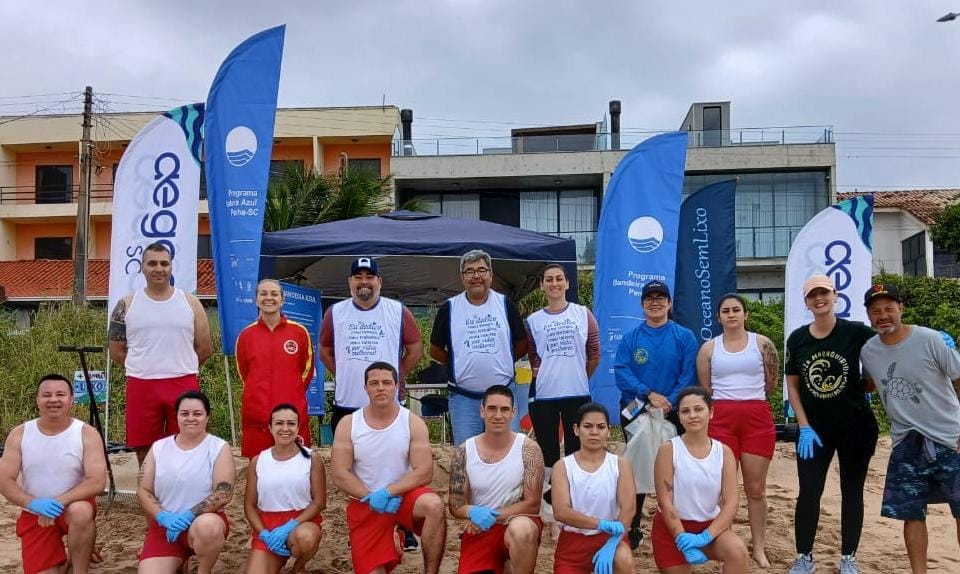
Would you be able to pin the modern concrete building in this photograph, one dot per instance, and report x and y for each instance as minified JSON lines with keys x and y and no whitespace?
{"x":552,"y":180}
{"x":901,"y":232}
{"x":39,"y":175}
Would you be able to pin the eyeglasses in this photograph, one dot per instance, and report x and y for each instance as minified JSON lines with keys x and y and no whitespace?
{"x":481,"y":272}
{"x":655,"y":299}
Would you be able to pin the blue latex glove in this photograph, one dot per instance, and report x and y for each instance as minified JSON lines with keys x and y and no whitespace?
{"x":181,"y":522}
{"x":694,"y":556}
{"x":46,"y":507}
{"x":603,"y":558}
{"x":265,"y":537}
{"x":685,"y":541}
{"x":808,"y":436}
{"x":394,"y":504}
{"x":378,"y":500}
{"x":279,"y":536}
{"x":948,"y":340}
{"x":482,"y":517}
{"x":611,"y":527}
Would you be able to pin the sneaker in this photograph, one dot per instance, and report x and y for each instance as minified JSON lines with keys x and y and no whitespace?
{"x":409,"y":541}
{"x":635,"y":535}
{"x":848,"y":564}
{"x":803,"y":565}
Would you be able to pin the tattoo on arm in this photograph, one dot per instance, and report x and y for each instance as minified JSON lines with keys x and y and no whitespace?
{"x":458,"y":479}
{"x":219,"y":498}
{"x":532,"y":465}
{"x":118,"y":323}
{"x":771,"y":362}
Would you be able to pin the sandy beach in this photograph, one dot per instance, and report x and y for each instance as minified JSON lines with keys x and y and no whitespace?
{"x":121,"y":530}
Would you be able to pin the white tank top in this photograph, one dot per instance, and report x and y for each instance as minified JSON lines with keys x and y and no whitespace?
{"x":496,"y":484}
{"x":380,"y":457}
{"x":737,"y":376}
{"x":362,"y":337}
{"x":283,"y":484}
{"x":561,"y":340}
{"x":160,"y":337}
{"x":51,"y":465}
{"x":593,"y":493}
{"x":482,"y":352}
{"x":183,"y":478}
{"x":697,"y":481}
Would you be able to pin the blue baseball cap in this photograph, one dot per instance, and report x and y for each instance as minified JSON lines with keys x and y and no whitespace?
{"x":364,"y":264}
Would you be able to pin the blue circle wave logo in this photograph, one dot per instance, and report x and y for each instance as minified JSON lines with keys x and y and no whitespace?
{"x":241,"y":146}
{"x":645,"y":234}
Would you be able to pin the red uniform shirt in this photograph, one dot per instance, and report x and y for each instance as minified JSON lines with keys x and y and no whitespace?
{"x":275,"y":367}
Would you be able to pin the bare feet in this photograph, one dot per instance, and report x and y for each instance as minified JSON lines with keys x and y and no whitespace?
{"x":299,"y":566}
{"x":760,"y":557}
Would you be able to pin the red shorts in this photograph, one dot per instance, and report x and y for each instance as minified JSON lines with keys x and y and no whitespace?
{"x":41,"y":548}
{"x":150,"y":412}
{"x":744,"y":426}
{"x":574,"y":553}
{"x":374,"y":541}
{"x":665,"y":551}
{"x":272,"y":520}
{"x":155,"y":544}
{"x":487,"y":551}
{"x":255,"y":440}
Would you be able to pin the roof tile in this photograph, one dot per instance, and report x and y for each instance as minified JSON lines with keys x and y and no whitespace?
{"x":923,"y":204}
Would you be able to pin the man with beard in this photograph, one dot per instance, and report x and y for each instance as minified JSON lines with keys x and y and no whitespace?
{"x":362,"y":330}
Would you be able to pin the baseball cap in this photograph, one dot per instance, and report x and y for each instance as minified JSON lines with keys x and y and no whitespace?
{"x":888,"y":290}
{"x":655,"y":287}
{"x":364,"y":263}
{"x":817,"y":281}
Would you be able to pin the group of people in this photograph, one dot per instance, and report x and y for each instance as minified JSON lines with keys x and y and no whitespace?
{"x":711,"y":396}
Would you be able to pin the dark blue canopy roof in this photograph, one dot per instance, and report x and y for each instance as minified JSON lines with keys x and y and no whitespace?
{"x":418,"y":254}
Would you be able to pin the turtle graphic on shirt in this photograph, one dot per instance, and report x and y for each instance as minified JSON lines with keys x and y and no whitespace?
{"x":899,"y":387}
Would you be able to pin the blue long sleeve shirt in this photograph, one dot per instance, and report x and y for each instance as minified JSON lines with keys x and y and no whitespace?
{"x":656,"y":359}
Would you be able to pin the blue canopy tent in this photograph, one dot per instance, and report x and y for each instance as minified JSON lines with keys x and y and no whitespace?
{"x":418,"y":255}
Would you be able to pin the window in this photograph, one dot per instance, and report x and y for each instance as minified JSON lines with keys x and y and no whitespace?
{"x":204,"y":249}
{"x":53,"y":248}
{"x":371,"y":165}
{"x":54,"y":184}
{"x":279,"y":168}
{"x":203,"y":180}
{"x":914,"y":252}
{"x":944,"y":263}
{"x":712,"y":126}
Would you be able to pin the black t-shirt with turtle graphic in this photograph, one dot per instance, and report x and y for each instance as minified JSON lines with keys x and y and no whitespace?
{"x":831,"y":390}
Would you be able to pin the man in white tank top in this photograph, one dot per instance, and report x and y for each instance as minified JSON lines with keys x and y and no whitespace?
{"x":364,"y":329}
{"x":63,"y":468}
{"x":161,"y":336}
{"x":496,"y":482}
{"x":382,"y":460}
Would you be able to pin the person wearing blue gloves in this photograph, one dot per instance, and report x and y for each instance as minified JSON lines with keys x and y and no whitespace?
{"x":826,"y":392}
{"x":382,"y":460}
{"x":593,"y":497}
{"x":62,"y":467}
{"x":697,"y":495}
{"x":186,"y":482}
{"x":286,"y":492}
{"x":653,"y":363}
{"x":496,"y":482}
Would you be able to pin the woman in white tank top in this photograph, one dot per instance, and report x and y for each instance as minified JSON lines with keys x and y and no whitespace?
{"x":186,"y":482}
{"x":286,"y":492}
{"x":594,"y":496}
{"x":739,"y":368}
{"x":697,"y":495}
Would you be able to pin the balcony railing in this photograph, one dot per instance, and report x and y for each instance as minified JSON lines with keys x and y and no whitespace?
{"x":31,"y":194}
{"x":601,"y":141}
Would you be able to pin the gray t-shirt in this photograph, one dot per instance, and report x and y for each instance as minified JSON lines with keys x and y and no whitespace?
{"x":915,"y":381}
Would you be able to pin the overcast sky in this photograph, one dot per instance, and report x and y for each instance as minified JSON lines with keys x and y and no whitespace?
{"x":885,"y":75}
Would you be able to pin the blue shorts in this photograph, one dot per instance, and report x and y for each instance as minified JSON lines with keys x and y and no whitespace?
{"x":919,"y":475}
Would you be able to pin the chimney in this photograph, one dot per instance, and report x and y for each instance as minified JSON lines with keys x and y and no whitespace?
{"x":615,"y":124}
{"x":406,"y":122}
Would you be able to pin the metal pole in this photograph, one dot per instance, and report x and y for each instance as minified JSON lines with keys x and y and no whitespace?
{"x":233,"y":424}
{"x":83,"y":205}
{"x":106,"y":404}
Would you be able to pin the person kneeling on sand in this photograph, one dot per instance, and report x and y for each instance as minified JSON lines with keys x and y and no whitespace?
{"x":286,"y":491}
{"x":185,"y":483}
{"x":382,"y":460}
{"x":62,"y":465}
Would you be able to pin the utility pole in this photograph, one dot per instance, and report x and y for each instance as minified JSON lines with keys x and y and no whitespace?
{"x":83,"y":205}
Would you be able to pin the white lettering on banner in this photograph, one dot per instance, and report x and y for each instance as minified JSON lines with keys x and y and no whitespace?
{"x":635,"y":281}
{"x":363,"y":341}
{"x":481,"y":334}
{"x":243,"y":202}
{"x":702,"y":241}
{"x":561,"y":338}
